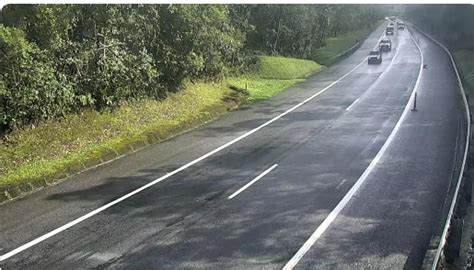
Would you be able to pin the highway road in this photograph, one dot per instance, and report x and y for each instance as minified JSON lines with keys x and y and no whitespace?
{"x":336,"y":172}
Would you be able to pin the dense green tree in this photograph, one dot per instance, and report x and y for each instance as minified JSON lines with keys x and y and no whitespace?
{"x":58,"y":59}
{"x":29,"y":86}
{"x":197,"y":41}
{"x":295,"y":30}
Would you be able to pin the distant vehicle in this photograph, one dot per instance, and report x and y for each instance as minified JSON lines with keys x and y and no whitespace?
{"x":375,"y":57}
{"x":389,"y":30}
{"x":401,"y":26}
{"x":392,"y":18}
{"x":385,"y":45}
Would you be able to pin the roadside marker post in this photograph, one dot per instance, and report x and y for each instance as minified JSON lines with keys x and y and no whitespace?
{"x":414,"y":104}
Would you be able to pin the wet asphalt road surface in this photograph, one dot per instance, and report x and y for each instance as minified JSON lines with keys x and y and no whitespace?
{"x":311,"y":158}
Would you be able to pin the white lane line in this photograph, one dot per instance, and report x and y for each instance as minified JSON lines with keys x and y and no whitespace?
{"x":252,"y":182}
{"x":382,"y":74}
{"x":335,"y":212}
{"x":182,"y":168}
{"x":353,"y":103}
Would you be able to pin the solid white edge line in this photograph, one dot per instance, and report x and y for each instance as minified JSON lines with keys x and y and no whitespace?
{"x":353,"y":103}
{"x":154,"y":182}
{"x":253,"y":181}
{"x":442,"y":242}
{"x":335,"y":212}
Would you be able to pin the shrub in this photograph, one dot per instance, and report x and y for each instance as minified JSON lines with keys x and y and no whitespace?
{"x":30,"y":88}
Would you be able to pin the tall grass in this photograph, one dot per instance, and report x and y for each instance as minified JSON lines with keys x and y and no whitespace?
{"x":274,"y":74}
{"x":283,"y":68}
{"x":79,"y":140}
{"x":62,"y":145}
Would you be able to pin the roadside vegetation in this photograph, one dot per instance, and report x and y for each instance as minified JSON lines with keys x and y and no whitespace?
{"x":329,"y":53}
{"x":273,"y":75}
{"x":57,"y":147}
{"x":455,"y":27}
{"x":465,"y":61}
{"x":81,"y":84}
{"x":454,"y":30}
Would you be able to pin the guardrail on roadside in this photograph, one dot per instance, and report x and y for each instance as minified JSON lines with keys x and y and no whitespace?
{"x":348,"y":51}
{"x":435,"y":258}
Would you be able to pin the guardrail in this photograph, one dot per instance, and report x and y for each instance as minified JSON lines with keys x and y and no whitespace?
{"x":433,"y":262}
{"x":348,"y":51}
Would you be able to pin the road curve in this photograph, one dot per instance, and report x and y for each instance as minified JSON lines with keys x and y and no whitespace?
{"x":291,"y":173}
{"x":391,"y":220}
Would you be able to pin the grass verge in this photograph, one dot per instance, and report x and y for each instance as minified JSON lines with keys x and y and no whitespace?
{"x":273,"y":75}
{"x":57,"y":148}
{"x":465,"y":61}
{"x":62,"y":147}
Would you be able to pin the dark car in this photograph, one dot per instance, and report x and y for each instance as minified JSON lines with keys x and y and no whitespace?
{"x":389,"y":30}
{"x":401,"y":26}
{"x":385,"y":45}
{"x":375,"y":57}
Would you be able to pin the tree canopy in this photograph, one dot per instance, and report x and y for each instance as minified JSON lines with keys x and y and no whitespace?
{"x":57,"y":59}
{"x":452,"y":23}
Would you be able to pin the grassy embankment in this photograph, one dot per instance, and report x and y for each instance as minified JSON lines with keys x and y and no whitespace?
{"x":465,"y":62}
{"x":328,"y":54}
{"x":55,"y":149}
{"x":274,"y":75}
